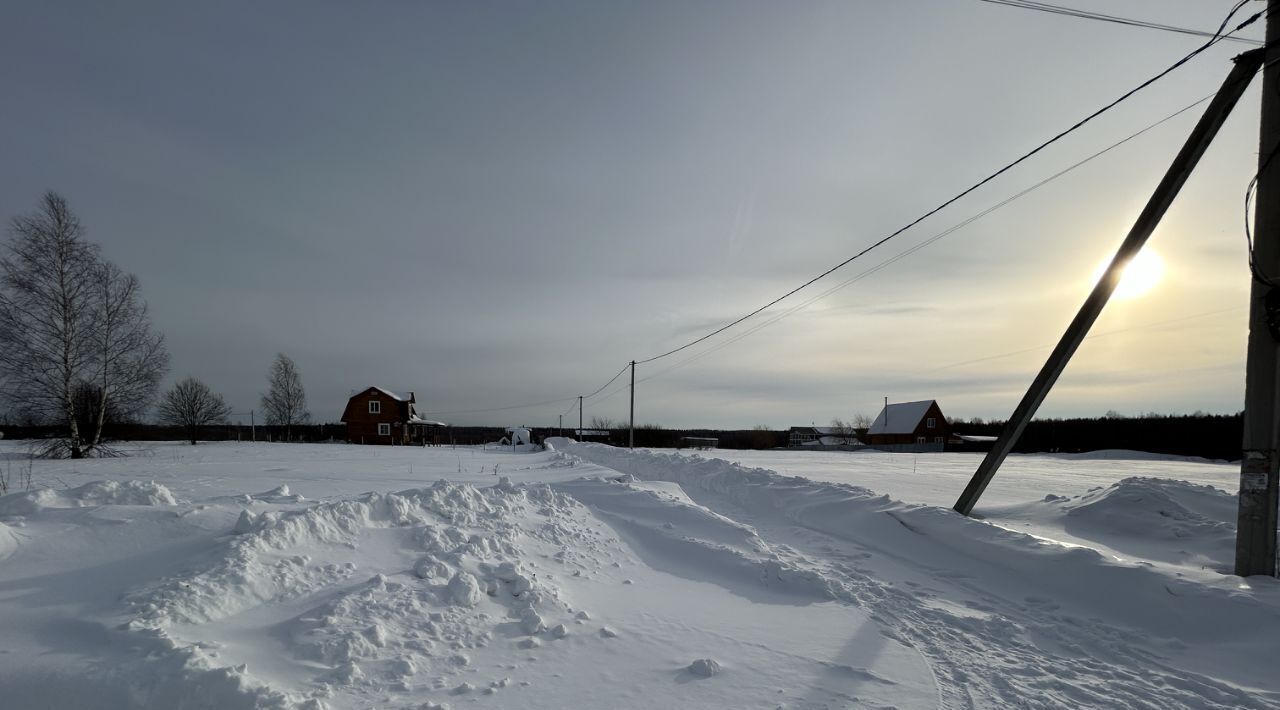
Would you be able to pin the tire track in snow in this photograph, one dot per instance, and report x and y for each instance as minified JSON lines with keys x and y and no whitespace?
{"x":985,"y":647}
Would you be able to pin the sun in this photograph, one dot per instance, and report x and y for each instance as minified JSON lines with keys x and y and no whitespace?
{"x":1142,"y":274}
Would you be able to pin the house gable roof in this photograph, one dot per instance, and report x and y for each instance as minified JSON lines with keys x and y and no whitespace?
{"x":403,"y":407}
{"x":900,"y":418}
{"x":398,"y":396}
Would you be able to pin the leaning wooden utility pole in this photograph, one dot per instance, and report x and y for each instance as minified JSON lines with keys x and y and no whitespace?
{"x":631,"y":437}
{"x":1246,"y":65}
{"x":1259,"y":475}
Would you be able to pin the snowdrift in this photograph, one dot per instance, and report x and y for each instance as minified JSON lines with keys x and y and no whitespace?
{"x":469,"y":581}
{"x":90,"y":494}
{"x":1156,"y":519}
{"x":1155,"y":507}
{"x":673,"y":534}
{"x":1077,"y":603}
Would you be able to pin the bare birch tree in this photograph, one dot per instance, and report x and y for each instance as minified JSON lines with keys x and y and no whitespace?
{"x":191,"y":404}
{"x":46,"y":308}
{"x":129,"y":359}
{"x":285,"y":402}
{"x":71,"y":326}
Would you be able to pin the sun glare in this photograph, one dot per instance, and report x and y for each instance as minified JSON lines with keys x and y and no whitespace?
{"x":1141,"y":275}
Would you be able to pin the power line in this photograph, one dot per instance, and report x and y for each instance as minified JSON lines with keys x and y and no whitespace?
{"x":571,"y":408}
{"x":1145,"y":326}
{"x":530,"y":405}
{"x":1217,"y":37}
{"x":534,"y":404}
{"x":1089,"y":15}
{"x":611,"y":379}
{"x":928,"y":242}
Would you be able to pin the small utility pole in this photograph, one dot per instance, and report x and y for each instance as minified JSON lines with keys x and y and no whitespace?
{"x":253,"y":428}
{"x":631,"y":438}
{"x":562,"y":425}
{"x":1259,"y":484}
{"x":580,"y":434}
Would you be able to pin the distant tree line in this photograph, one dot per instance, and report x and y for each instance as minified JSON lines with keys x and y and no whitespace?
{"x":1212,"y":436}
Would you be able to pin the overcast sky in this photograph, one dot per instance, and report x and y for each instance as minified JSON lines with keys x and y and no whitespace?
{"x":502,"y":203}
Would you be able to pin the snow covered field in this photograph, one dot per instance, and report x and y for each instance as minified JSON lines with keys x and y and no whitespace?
{"x":333,"y":576}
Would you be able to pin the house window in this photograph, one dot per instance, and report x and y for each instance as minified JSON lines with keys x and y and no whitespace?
{"x":375,"y":407}
{"x":932,"y":423}
{"x":920,"y":440}
{"x":937,"y":440}
{"x":384,"y":429}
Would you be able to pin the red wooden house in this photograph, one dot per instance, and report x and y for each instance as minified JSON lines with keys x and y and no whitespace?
{"x":912,"y":424}
{"x":380,"y":416}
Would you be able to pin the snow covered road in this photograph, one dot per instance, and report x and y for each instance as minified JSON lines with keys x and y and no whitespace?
{"x":332,"y":576}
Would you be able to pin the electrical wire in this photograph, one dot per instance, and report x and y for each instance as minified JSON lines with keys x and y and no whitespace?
{"x":535,"y":404}
{"x":1248,"y":236}
{"x":1217,"y":37}
{"x":500,"y":409}
{"x":903,"y":254}
{"x":1089,"y":15}
{"x":611,"y":379}
{"x":1144,"y":326}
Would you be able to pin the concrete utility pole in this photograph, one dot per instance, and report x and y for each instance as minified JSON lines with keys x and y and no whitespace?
{"x":631,"y":437}
{"x":1246,"y":65}
{"x":1259,"y":485}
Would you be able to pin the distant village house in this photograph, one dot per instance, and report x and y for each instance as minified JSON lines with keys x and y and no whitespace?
{"x":910,"y":426}
{"x":381,"y":416}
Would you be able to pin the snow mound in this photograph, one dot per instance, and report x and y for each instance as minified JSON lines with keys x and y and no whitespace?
{"x":1157,"y":507}
{"x":704,"y":667}
{"x":90,"y":494}
{"x":474,"y":581}
{"x":270,"y":556}
{"x":1151,"y":518}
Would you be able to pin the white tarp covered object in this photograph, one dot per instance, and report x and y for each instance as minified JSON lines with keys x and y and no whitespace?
{"x":518,"y":435}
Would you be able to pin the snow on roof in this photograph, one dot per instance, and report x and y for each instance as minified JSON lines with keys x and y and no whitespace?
{"x":399,"y":396}
{"x":976,"y":438}
{"x":838,"y":441}
{"x":415,"y":419}
{"x":823,"y":430}
{"x":900,"y":418}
